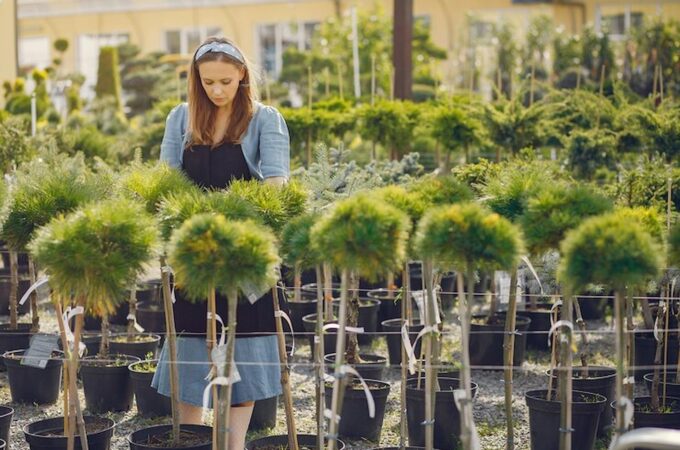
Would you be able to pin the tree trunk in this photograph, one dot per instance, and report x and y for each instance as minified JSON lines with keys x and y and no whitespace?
{"x":431,"y":350}
{"x":508,"y":349}
{"x":619,"y":314}
{"x":35,"y":322}
{"x":352,"y":351}
{"x":14,"y":288}
{"x":464,"y":313}
{"x":403,"y":426}
{"x":297,"y":283}
{"x":171,"y":337}
{"x":328,"y":291}
{"x":132,"y":312}
{"x":220,"y":429}
{"x":585,"y":348}
{"x":223,"y":407}
{"x":318,"y":359}
{"x":73,"y":376}
{"x":565,"y":375}
{"x":104,"y":344}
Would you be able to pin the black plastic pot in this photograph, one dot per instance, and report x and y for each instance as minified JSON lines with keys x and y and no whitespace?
{"x":446,"y":414}
{"x":281,"y":442}
{"x":368,"y":319}
{"x":6,"y":414}
{"x":537,"y":338}
{"x":448,"y":285}
{"x":18,"y":339}
{"x":149,"y":291}
{"x":544,"y":419}
{"x":593,"y":306}
{"x":5,"y":289}
{"x":642,"y":418}
{"x":149,"y":402}
{"x":602,"y":381}
{"x":390,"y":306}
{"x":672,"y":388}
{"x":42,"y":435}
{"x":445,"y":370}
{"x":309,"y":323}
{"x":3,"y":444}
{"x":392,"y":330}
{"x":486,"y":342}
{"x":311,"y":289}
{"x":92,"y":342}
{"x":22,"y":257}
{"x":645,"y":351}
{"x":355,"y":422}
{"x":138,"y":349}
{"x":151,"y":316}
{"x":299,"y":309}
{"x":264,"y":414}
{"x":139,"y":440}
{"x":107,"y":388}
{"x":29,"y":384}
{"x":372,"y":367}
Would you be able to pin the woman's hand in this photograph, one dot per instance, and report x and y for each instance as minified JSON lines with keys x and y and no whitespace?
{"x":276,"y":181}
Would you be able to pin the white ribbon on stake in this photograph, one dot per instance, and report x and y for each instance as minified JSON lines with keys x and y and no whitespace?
{"x":33,"y":287}
{"x":345,"y":369}
{"x":68,"y":314}
{"x":558,"y":324}
{"x":410,"y":349}
{"x":459,"y":396}
{"x":137,"y":326}
{"x":285,"y":317}
{"x":219,"y":381}
{"x":335,"y":326}
{"x":168,"y":269}
{"x":533,"y":272}
{"x":628,"y":412}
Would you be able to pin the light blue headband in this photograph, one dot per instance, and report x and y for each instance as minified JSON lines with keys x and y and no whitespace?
{"x":220,"y":47}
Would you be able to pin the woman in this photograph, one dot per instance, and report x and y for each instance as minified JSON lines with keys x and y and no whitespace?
{"x":222,"y":133}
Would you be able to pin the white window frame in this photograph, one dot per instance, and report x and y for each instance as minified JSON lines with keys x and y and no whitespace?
{"x":627,"y":14}
{"x":183,"y":37}
{"x":102,"y":40}
{"x":25,"y":58}
{"x":278,"y":44}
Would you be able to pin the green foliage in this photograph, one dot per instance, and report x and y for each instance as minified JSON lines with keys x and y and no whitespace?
{"x":60,"y":45}
{"x":389,"y":123}
{"x":409,"y":202}
{"x":149,"y":182}
{"x":475,"y":175}
{"x":15,"y":146}
{"x":439,"y":190}
{"x":468,"y":236}
{"x":666,"y":138}
{"x":209,"y":252}
{"x":636,"y":126}
{"x":94,"y":252}
{"x":108,"y":77}
{"x":591,"y":150}
{"x":455,"y":128}
{"x":274,"y":204}
{"x":645,"y":183}
{"x":609,"y":251}
{"x":296,"y":243}
{"x":363,"y":235}
{"x":556,"y":209}
{"x":508,"y":192}
{"x":176,"y":207}
{"x":513,"y":127}
{"x":648,"y":218}
{"x":44,"y":189}
{"x":674,"y":246}
{"x":506,"y":55}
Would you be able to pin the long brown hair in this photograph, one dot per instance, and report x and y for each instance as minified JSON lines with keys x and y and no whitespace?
{"x":202,"y":112}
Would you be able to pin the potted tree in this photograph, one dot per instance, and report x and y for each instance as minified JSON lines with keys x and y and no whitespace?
{"x":364,"y":237}
{"x":210,"y":253}
{"x":607,"y":250}
{"x":469,"y":237}
{"x":89,"y":254}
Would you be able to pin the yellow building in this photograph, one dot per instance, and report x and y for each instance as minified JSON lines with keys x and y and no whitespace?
{"x":8,"y":38}
{"x":263,"y":28}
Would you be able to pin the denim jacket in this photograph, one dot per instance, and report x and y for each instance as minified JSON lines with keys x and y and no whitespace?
{"x":265,"y":145}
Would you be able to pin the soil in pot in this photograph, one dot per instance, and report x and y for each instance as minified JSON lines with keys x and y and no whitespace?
{"x":18,"y":339}
{"x":544,"y":419}
{"x":48,"y":434}
{"x":264,"y":414}
{"x":602,"y":381}
{"x":355,"y":422}
{"x":672,"y":388}
{"x":645,"y":351}
{"x":486,"y":341}
{"x":141,"y":345}
{"x":149,"y":402}
{"x":192,"y":437}
{"x":106,"y":383}
{"x":368,"y":319}
{"x":29,"y":384}
{"x":371,"y":367}
{"x":280,"y":442}
{"x":668,"y":417}
{"x":6,"y":414}
{"x":392,"y":330}
{"x":5,"y":289}
{"x":446,"y":415}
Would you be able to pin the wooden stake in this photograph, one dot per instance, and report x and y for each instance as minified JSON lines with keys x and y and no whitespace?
{"x":464,"y":303}
{"x":430,"y":349}
{"x":619,"y":305}
{"x":328,"y":291}
{"x":225,"y":392}
{"x":65,"y":370}
{"x":73,"y":376}
{"x":508,"y":358}
{"x":220,"y":431}
{"x":132,"y":312}
{"x":403,"y":426}
{"x":14,"y":287}
{"x":565,"y":375}
{"x":35,"y":322}
{"x":318,"y":357}
{"x":171,"y":338}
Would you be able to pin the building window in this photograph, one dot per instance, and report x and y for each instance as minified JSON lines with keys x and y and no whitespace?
{"x":274,"y":39}
{"x":481,"y":31}
{"x":88,"y":56}
{"x":185,"y":41}
{"x":620,"y":25}
{"x":34,"y":52}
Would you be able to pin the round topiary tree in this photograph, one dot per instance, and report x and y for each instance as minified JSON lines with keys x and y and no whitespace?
{"x":607,"y":250}
{"x":470,"y":237}
{"x":210,"y":253}
{"x":43,"y":189}
{"x":91,"y":254}
{"x":367,"y":238}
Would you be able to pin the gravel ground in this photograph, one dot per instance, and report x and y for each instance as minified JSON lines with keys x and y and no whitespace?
{"x":488,"y":407}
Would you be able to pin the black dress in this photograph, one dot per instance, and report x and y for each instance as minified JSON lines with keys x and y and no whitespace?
{"x":216,"y":168}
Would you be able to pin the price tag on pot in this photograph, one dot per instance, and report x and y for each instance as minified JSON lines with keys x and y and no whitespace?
{"x":40,"y":350}
{"x":502,"y":280}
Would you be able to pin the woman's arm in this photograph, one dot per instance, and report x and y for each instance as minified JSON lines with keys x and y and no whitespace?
{"x":171,"y":146}
{"x":274,"y":146}
{"x":276,"y":181}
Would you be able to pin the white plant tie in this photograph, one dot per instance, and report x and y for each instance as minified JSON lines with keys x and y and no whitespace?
{"x":33,"y":287}
{"x":345,"y":369}
{"x":656,"y":329}
{"x":284,"y":316}
{"x":335,"y":326}
{"x":460,"y":397}
{"x":223,"y":336}
{"x":169,"y":270}
{"x":628,"y":412}
{"x":559,"y":324}
{"x":553,"y":309}
{"x":629,"y":380}
{"x":526,"y":261}
{"x":219,"y":381}
{"x":328,"y":414}
{"x":410,"y":348}
{"x":68,"y":314}
{"x":137,"y":326}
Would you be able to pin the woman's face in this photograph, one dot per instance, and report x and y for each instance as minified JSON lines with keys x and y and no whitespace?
{"x":220,"y":80}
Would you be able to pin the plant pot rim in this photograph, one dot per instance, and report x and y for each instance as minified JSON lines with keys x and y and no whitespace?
{"x":22,"y":327}
{"x":161,"y":427}
{"x":133,"y":364}
{"x":312,"y":318}
{"x":340,"y":445}
{"x":534,"y":395}
{"x":415,"y":323}
{"x":646,"y":400}
{"x":128,"y":359}
{"x":153,"y":337}
{"x":611,"y":373}
{"x":111,"y":424}
{"x":5,"y":411}
{"x":668,"y":383}
{"x":363,"y":302}
{"x":381,"y":294}
{"x":380,"y":360}
{"x":381,"y":385}
{"x":410,"y":381}
{"x":9,"y":354}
